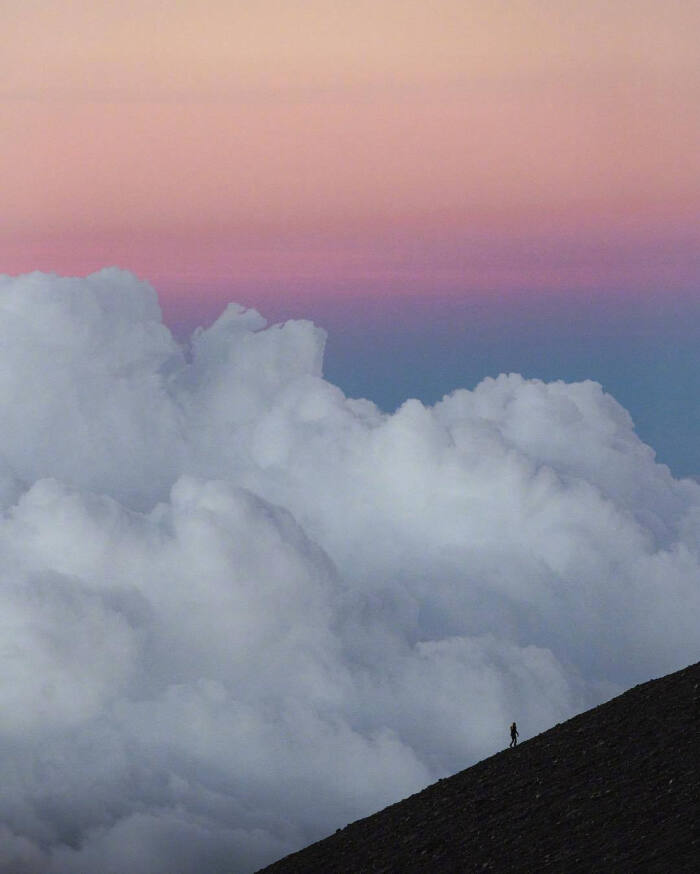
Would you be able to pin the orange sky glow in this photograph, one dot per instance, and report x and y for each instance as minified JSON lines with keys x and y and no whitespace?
{"x":209,"y":139}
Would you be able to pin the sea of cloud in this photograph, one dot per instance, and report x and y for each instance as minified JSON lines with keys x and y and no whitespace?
{"x":239,"y":609}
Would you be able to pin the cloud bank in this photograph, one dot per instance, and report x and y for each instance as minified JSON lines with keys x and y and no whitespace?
{"x":240,"y":609}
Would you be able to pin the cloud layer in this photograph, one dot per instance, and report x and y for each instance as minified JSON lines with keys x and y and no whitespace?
{"x":240,"y":609}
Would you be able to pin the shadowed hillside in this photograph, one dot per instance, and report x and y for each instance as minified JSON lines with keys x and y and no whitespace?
{"x":614,"y":789}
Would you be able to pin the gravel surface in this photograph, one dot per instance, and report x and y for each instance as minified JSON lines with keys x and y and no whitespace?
{"x":614,"y":789}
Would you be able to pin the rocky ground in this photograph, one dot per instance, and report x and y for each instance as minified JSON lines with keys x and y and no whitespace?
{"x":614,"y":789}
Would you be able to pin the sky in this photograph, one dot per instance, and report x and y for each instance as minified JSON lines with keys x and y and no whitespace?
{"x":239,"y":609}
{"x":382,"y":168}
{"x":349,"y":380}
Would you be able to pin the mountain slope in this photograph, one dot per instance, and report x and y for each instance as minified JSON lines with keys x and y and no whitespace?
{"x":614,"y":789}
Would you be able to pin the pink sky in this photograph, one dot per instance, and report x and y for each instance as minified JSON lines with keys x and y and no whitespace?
{"x":450,"y":144}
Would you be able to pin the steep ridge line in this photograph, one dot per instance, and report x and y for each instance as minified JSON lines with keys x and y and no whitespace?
{"x":614,"y":789}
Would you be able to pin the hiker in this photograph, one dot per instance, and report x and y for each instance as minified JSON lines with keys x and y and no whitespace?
{"x":513,"y":735}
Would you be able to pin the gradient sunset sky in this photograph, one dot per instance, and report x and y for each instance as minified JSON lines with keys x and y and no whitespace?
{"x":452,"y":188}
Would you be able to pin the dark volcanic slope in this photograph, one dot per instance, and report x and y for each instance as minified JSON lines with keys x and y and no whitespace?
{"x":614,"y":789}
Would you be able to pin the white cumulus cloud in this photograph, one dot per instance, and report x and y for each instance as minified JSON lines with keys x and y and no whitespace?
{"x":239,"y":609}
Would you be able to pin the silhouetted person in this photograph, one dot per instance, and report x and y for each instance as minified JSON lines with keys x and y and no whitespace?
{"x":513,"y":735}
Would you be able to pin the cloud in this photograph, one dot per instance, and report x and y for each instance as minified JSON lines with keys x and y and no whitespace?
{"x":240,"y":609}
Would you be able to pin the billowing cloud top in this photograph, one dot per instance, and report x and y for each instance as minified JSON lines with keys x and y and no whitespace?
{"x":240,"y":609}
